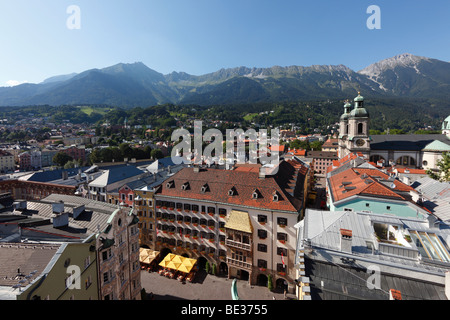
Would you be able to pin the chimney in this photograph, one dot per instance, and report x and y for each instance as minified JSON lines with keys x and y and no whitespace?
{"x":262,"y":173}
{"x":65,"y":175}
{"x":58,"y":207}
{"x":60,"y":218}
{"x":20,"y":205}
{"x":395,"y":295}
{"x":78,"y":210}
{"x":447,"y":284}
{"x":346,"y":240}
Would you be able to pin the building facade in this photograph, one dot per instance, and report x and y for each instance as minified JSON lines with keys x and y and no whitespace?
{"x":7,"y":163}
{"x":97,"y":249}
{"x":241,"y":220}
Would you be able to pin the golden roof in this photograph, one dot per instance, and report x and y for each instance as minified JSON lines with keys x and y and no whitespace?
{"x":240,"y":221}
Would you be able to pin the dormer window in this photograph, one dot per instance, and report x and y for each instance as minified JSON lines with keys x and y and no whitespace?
{"x":170,"y":184}
{"x":275,"y":197}
{"x":256,"y":194}
{"x":205,"y":188}
{"x":232,"y":191}
{"x":185,"y":186}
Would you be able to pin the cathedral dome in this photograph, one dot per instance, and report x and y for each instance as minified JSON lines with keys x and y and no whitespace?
{"x":359,"y":111}
{"x":346,"y":114}
{"x":359,"y":98}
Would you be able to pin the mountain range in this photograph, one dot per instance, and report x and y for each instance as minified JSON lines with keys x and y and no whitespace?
{"x":130,"y":85}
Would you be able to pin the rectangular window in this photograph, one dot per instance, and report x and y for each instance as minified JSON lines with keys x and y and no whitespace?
{"x":281,"y":236}
{"x":281,"y":267}
{"x":282,"y":221}
{"x":262,"y":247}
{"x":262,"y":234}
{"x":262,"y":263}
{"x":281,"y":251}
{"x":262,"y":218}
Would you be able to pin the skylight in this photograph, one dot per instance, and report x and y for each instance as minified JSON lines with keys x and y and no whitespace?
{"x":430,"y":246}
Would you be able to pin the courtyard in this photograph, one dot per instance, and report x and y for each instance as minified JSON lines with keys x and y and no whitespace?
{"x":205,"y":287}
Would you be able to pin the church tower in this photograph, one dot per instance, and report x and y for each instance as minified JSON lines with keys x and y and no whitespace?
{"x":354,"y":126}
{"x":343,"y":129}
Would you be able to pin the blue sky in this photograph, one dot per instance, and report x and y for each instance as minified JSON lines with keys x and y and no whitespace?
{"x":201,"y":36}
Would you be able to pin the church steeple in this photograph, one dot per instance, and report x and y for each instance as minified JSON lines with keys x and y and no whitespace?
{"x":354,"y":128}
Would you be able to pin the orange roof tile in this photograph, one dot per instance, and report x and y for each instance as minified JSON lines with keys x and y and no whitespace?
{"x":244,"y":179}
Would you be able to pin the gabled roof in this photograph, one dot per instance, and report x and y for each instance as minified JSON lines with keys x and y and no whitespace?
{"x":365,"y":181}
{"x":287,"y":182}
{"x":116,"y":174}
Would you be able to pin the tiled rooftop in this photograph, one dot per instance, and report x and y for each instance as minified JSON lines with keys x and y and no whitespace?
{"x":18,"y":260}
{"x":287,"y":183}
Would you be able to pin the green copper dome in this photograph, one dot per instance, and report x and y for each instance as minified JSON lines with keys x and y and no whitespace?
{"x":346,"y":113}
{"x":359,"y":111}
{"x":359,"y":98}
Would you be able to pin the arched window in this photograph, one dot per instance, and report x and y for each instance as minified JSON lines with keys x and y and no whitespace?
{"x":360,"y":128}
{"x":406,"y":161}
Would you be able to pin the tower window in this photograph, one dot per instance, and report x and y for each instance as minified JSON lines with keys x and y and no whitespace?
{"x":360,"y":128}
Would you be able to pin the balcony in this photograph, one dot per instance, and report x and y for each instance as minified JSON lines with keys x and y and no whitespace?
{"x":238,"y":245}
{"x":237,"y":263}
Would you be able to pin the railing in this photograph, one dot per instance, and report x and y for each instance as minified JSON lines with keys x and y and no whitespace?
{"x":239,"y":245}
{"x":237,"y":263}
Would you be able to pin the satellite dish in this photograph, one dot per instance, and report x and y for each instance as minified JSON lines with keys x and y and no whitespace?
{"x":393,"y":185}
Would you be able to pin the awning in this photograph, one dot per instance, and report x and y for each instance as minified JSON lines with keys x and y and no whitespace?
{"x":147,"y":256}
{"x":178,"y":263}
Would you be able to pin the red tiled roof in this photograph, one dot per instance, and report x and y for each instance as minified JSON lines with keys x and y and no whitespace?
{"x":359,"y":181}
{"x":279,"y":148}
{"x":244,"y":180}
